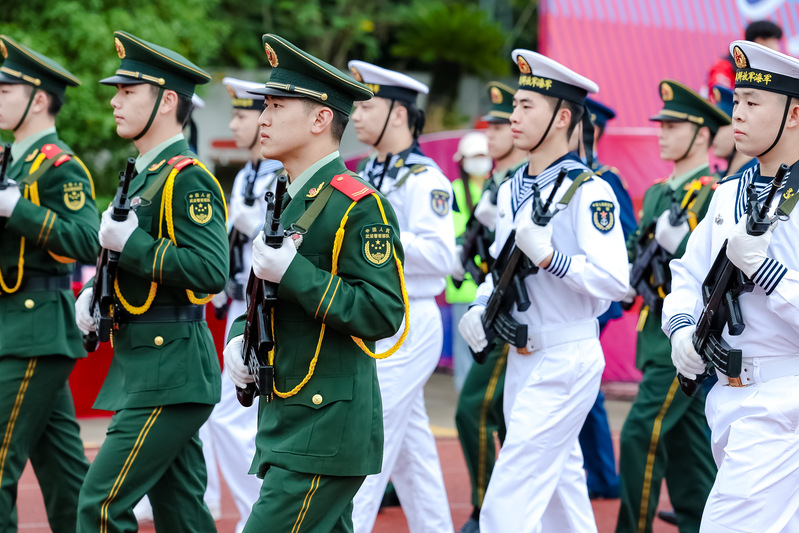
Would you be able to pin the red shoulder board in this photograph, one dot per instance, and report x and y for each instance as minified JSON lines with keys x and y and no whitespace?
{"x":63,"y":159}
{"x":704,"y":180}
{"x":173,"y":159}
{"x":184,"y":163}
{"x":354,"y":189}
{"x":50,"y":150}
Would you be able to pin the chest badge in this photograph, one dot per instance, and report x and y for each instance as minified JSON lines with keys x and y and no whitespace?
{"x":31,"y":156}
{"x":718,"y":220}
{"x":315,"y":190}
{"x":297,"y":240}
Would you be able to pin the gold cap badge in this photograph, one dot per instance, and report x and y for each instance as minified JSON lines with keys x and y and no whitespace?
{"x":740,"y":57}
{"x":120,"y":48}
{"x":356,"y":74}
{"x":3,"y":49}
{"x":524,"y":66}
{"x":666,"y":92}
{"x":230,"y":91}
{"x":716,"y":95}
{"x":271,"y":56}
{"x":496,"y":95}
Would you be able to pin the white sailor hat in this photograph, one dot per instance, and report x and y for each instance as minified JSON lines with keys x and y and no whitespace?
{"x":546,"y":76}
{"x":242,"y":99}
{"x":387,"y":83}
{"x":197,"y":102}
{"x":760,"y":67}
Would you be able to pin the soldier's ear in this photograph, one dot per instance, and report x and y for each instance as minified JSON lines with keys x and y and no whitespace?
{"x":792,"y":120}
{"x":322,"y":119}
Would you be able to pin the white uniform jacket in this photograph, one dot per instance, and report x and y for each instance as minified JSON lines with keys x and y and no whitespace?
{"x":589,"y":266}
{"x":422,"y":199}
{"x":771,"y":311}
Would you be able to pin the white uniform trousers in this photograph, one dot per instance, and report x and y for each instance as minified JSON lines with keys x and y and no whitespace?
{"x":410,"y":458}
{"x":538,"y":483}
{"x":755,"y":442}
{"x":228,"y":438}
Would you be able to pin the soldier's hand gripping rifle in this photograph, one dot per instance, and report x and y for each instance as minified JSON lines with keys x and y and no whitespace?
{"x":476,"y":240}
{"x":6,"y":159}
{"x":720,"y":291}
{"x":261,"y":301}
{"x":649,"y":272}
{"x":236,"y":242}
{"x":511,"y":268}
{"x":103,"y":300}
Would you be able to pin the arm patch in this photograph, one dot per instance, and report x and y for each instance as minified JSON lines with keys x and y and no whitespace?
{"x":602,"y":215}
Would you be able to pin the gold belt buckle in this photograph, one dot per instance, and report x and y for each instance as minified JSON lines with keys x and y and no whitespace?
{"x":735,"y":382}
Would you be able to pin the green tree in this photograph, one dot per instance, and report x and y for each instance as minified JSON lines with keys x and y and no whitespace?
{"x":451,"y":39}
{"x":79,"y":35}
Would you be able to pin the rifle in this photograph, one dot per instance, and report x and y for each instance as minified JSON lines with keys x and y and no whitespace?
{"x":103,"y":300}
{"x":6,"y":159}
{"x":512,"y":267}
{"x":476,"y":240}
{"x":261,"y":301}
{"x":650,"y":271}
{"x":236,"y":242}
{"x":720,"y":292}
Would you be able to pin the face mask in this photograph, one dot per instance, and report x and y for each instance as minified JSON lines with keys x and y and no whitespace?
{"x":477,"y":166}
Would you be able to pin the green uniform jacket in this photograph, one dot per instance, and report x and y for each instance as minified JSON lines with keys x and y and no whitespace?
{"x":334,"y":425}
{"x":652,"y":345}
{"x":169,"y":362}
{"x":61,"y":229}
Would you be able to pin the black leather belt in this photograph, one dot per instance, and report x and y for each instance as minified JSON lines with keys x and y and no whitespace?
{"x":163,"y":313}
{"x":48,"y":284}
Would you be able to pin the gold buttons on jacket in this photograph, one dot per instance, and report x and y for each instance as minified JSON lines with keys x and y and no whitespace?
{"x":159,"y":340}
{"x":317,"y":399}
{"x":29,"y":304}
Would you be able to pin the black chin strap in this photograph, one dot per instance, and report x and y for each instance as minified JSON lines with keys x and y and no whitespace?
{"x":782,"y":125}
{"x":152,"y":115}
{"x":549,"y":126}
{"x":588,"y":138}
{"x":27,"y":108}
{"x":385,"y":124}
{"x":690,"y":145}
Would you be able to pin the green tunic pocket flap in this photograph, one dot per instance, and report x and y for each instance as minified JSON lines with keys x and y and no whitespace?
{"x":157,"y":335}
{"x":320,"y":391}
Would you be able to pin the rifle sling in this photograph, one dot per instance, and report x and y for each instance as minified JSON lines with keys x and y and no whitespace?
{"x":309,"y":216}
{"x":579,"y":180}
{"x":33,"y":177}
{"x":149,"y":193}
{"x":790,"y":196}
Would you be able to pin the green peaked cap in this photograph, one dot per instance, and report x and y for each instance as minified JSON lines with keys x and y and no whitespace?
{"x":298,"y":74}
{"x":501,"y":102}
{"x":144,"y":62}
{"x":23,"y":65}
{"x":681,"y":104}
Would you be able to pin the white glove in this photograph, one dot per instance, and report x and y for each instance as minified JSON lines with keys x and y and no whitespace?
{"x":83,"y":313}
{"x":748,"y":252}
{"x":8,"y":199}
{"x":458,"y":272}
{"x":667,"y":236}
{"x":248,"y":219}
{"x":486,"y":212}
{"x":113,"y":235}
{"x":629,"y":298}
{"x":683,"y":353}
{"x":219,"y":300}
{"x":237,"y":371}
{"x":471,"y":328}
{"x":271,"y":263}
{"x":534,"y":240}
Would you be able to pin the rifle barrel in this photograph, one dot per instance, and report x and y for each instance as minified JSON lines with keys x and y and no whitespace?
{"x":775,"y":185}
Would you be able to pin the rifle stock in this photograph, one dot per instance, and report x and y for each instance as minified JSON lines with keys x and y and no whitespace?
{"x":720,"y":292}
{"x":261,"y":301}
{"x":103,"y":300}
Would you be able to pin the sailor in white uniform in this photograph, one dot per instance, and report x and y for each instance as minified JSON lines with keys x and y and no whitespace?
{"x":754,"y":422}
{"x":228,"y":435}
{"x":422,"y":199}
{"x":538,"y":483}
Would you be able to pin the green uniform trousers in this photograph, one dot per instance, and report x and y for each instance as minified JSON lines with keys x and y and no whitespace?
{"x":154,"y":451}
{"x":293,"y":502}
{"x":39,"y":423}
{"x":665,"y":435}
{"x":479,"y":414}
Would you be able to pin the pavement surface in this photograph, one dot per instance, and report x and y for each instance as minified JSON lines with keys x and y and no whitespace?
{"x":441,"y":401}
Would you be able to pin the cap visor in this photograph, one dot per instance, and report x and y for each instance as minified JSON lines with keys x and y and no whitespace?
{"x":10,"y":79}
{"x":269,"y":91}
{"x":665,"y":118}
{"x":491,"y":119}
{"x":121,"y":80}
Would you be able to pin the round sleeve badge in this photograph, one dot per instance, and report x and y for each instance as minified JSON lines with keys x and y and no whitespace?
{"x":376,"y":244}
{"x":603,"y":216}
{"x":439,"y":201}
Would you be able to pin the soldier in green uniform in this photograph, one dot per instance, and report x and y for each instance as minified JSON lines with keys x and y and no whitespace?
{"x":340,"y":281}
{"x":164,"y":378}
{"x":48,"y":220}
{"x":479,"y":413}
{"x":665,"y":433}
